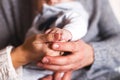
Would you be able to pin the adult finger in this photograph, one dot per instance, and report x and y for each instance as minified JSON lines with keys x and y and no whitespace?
{"x":63,"y":75}
{"x":62,"y":60}
{"x":47,"y":37}
{"x":67,"y":75}
{"x":63,"y":68}
{"x":67,"y":46}
{"x":48,"y":31}
{"x":48,"y":77}
{"x":58,"y":75}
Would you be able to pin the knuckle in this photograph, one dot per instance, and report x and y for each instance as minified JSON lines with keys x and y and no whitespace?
{"x":63,"y":69}
{"x":71,"y":69}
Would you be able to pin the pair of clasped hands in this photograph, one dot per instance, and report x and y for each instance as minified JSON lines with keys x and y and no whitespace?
{"x":47,"y":50}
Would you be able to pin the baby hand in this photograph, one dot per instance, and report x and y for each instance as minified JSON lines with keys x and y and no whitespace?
{"x":59,"y":34}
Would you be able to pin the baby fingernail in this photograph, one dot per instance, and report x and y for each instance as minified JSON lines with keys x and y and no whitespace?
{"x":45,"y":60}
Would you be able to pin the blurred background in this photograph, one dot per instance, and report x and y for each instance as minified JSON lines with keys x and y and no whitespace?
{"x":116,"y":8}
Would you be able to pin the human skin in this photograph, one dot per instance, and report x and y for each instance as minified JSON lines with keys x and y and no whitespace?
{"x":22,"y":55}
{"x":81,"y":55}
{"x":61,"y":35}
{"x":53,"y":2}
{"x":33,"y":49}
{"x":39,"y":3}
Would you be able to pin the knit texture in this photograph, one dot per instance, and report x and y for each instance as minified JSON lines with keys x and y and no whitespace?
{"x":103,"y":34}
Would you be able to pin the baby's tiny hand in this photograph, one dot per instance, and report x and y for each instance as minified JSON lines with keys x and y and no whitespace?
{"x":66,"y":35}
{"x":59,"y":34}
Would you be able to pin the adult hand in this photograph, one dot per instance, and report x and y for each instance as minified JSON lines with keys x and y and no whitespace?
{"x":81,"y":55}
{"x":33,"y":49}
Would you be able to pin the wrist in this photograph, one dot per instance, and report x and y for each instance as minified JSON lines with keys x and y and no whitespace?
{"x":18,"y":56}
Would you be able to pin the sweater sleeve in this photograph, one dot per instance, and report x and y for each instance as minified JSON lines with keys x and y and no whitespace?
{"x":7,"y":71}
{"x":106,"y":65}
{"x":76,"y":23}
{"x":72,"y":18}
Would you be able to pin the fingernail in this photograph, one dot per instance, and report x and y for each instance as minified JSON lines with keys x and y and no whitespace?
{"x":55,"y":46}
{"x":45,"y":60}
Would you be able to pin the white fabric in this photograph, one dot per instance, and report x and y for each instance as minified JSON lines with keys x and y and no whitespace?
{"x":77,"y":18}
{"x":70,"y":16}
{"x":116,"y":8}
{"x":73,"y":16}
{"x":7,"y":71}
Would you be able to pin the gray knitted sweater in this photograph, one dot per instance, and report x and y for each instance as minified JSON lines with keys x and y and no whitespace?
{"x":103,"y":34}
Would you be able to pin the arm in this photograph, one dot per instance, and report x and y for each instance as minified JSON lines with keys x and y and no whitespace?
{"x":11,"y":59}
{"x":77,"y":24}
{"x":104,"y":65}
{"x":107,"y":50}
{"x":74,"y":22}
{"x":7,"y":71}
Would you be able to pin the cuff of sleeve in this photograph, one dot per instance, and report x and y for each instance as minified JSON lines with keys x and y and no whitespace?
{"x":75,"y":31}
{"x":17,"y":73}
